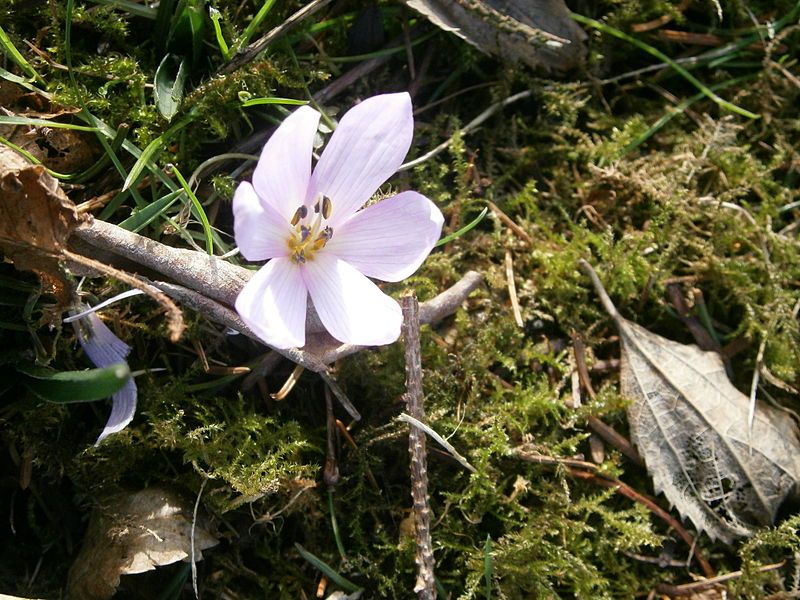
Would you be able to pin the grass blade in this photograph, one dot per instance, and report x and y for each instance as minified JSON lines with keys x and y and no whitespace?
{"x":20,"y":120}
{"x":152,"y":149}
{"x":223,"y":45}
{"x":133,"y":8}
{"x":674,"y":112}
{"x":463,"y":230}
{"x":142,"y":218}
{"x":10,"y":50}
{"x":199,"y":211}
{"x":347,"y":585}
{"x":251,"y":29}
{"x":705,"y":90}
{"x":260,"y":101}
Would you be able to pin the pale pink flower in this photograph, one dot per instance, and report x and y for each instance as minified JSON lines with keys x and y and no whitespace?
{"x":319,"y":242}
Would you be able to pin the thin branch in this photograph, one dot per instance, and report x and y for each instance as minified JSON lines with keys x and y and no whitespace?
{"x":689,"y":589}
{"x":216,"y":278}
{"x":590,"y":472}
{"x":225,"y":316}
{"x":469,"y":127}
{"x":341,"y":396}
{"x":510,"y":223}
{"x":426,"y":583}
{"x":175,"y":324}
{"x":261,"y":44}
{"x":210,"y":286}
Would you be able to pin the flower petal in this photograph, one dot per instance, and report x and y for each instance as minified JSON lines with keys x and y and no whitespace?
{"x":351,"y":307}
{"x":122,"y":410}
{"x":389,"y":240}
{"x":273,"y":304}
{"x":284,"y":168}
{"x":99,"y":343}
{"x":105,"y":349}
{"x":368,"y":146}
{"x":260,"y":231}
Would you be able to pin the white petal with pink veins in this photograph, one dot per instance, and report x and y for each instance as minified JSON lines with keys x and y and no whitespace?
{"x":260,"y":231}
{"x":367,"y":147}
{"x":350,"y":306}
{"x":389,"y":240}
{"x":273,"y":304}
{"x":284,"y":168}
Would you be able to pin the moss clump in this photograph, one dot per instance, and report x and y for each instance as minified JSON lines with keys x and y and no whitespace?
{"x":588,"y":166}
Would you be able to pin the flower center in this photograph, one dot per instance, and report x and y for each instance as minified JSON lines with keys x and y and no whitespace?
{"x":309,"y":233}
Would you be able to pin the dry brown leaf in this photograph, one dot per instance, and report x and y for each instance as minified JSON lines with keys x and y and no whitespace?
{"x":36,"y":218}
{"x":62,"y":150}
{"x":136,"y":533}
{"x":539,"y":34}
{"x":691,"y":427}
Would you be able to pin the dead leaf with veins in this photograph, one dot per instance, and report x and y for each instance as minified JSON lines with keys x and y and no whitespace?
{"x":59,"y":149}
{"x":691,"y":426}
{"x":134,"y":534}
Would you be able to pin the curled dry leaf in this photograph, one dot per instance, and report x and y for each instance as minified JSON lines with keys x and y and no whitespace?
{"x":134,"y":534}
{"x":691,"y":426}
{"x":36,"y":218}
{"x":60,"y":149}
{"x":538,"y":34}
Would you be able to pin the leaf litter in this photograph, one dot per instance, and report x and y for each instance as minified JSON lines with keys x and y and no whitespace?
{"x":691,"y":426}
{"x":36,"y":218}
{"x":143,"y":530}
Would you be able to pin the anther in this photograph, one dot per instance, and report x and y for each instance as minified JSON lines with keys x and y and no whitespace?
{"x":326,"y":207}
{"x":300,"y":213}
{"x":304,"y":231}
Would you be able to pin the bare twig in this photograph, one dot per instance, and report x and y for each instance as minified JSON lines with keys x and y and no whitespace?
{"x":615,"y":439}
{"x":219,"y":313}
{"x":341,"y":396}
{"x":261,"y":43}
{"x":175,"y":317}
{"x":268,"y":361}
{"x":216,"y":278}
{"x":689,"y":589}
{"x":475,"y":123}
{"x":448,"y":301}
{"x":425,"y":585}
{"x":589,"y":471}
{"x":510,"y":223}
{"x":579,"y":349}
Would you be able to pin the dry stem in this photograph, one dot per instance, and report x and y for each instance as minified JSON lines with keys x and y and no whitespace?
{"x":425,"y":585}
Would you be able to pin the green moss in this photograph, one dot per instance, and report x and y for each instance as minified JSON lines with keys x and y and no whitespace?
{"x":705,"y":202}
